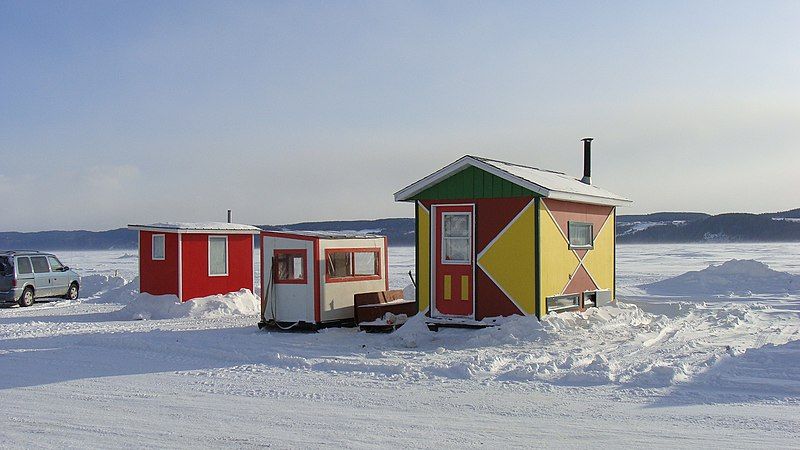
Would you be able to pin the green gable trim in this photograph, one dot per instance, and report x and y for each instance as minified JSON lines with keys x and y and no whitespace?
{"x":473,"y":183}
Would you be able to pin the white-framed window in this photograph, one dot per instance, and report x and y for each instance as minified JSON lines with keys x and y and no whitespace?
{"x":580,"y":235}
{"x":563,"y":302}
{"x":456,"y":238}
{"x":217,"y":256}
{"x":159,"y":252}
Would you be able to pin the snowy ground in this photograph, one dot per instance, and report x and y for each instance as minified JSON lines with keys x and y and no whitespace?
{"x":707,"y":370}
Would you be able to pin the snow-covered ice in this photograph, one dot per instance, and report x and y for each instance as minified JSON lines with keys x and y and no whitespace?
{"x":692,"y":369}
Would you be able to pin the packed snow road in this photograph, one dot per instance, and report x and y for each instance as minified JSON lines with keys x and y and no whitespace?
{"x":655,"y":371}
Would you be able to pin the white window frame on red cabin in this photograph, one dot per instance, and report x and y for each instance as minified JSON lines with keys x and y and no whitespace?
{"x":163,"y":247}
{"x":227,"y":256}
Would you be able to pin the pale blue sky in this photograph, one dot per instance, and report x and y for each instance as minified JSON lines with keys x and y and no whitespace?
{"x":120,"y":112}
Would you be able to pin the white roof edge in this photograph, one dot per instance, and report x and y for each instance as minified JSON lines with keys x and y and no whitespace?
{"x":439,"y":175}
{"x":331,"y":235}
{"x":242,"y":229}
{"x":590,"y":199}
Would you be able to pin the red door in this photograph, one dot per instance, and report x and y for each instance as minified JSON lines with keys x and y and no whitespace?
{"x":454,"y":259}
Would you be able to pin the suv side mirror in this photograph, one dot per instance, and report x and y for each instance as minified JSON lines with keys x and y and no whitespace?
{"x":65,"y":268}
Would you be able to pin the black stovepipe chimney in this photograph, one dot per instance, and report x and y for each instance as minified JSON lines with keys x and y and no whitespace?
{"x":587,"y":160}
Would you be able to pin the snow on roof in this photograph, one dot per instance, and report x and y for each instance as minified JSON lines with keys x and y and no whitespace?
{"x":197,"y":227}
{"x":328,"y":234}
{"x":547,"y":183}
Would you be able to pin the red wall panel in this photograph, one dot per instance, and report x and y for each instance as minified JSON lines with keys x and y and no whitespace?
{"x":158,"y":277}
{"x":491,"y":216}
{"x":197,"y":282}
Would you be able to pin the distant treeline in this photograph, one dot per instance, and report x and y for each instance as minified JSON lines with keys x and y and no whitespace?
{"x":662,"y":227}
{"x":697,"y":227}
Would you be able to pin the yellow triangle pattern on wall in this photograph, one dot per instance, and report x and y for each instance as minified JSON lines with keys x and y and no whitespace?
{"x":559,"y":260}
{"x":510,"y":260}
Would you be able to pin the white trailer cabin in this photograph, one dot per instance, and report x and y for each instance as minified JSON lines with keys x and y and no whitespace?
{"x":308,"y":279}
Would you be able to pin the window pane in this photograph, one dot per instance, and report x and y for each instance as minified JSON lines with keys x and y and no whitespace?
{"x":283,"y":269}
{"x":24,"y":266}
{"x":290,"y":267}
{"x":365,"y":263}
{"x":580,"y":234}
{"x":55,"y":265}
{"x":299,"y":267}
{"x":456,"y":225}
{"x":457,"y":249}
{"x":218,"y":256}
{"x":40,"y":264}
{"x":158,"y":246}
{"x":562,"y":302}
{"x":589,"y":299}
{"x":5,"y":266}
{"x":339,"y":264}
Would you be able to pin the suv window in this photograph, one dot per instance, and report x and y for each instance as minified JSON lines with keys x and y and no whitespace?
{"x":24,"y":266}
{"x":55,"y":264}
{"x":39,"y":264}
{"x":5,"y":266}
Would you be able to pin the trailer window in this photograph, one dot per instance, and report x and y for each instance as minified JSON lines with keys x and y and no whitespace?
{"x":339,"y":265}
{"x":217,"y":255}
{"x":158,"y":247}
{"x":365,"y":263}
{"x":290,"y":266}
{"x":352,"y":264}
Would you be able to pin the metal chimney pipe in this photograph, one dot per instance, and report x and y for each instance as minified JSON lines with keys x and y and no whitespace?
{"x":229,"y":216}
{"x":587,"y":160}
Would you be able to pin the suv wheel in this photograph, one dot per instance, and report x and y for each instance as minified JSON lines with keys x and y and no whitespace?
{"x":27,"y":297}
{"x":72,"y":293}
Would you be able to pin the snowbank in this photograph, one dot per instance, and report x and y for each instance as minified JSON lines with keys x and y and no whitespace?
{"x":120,"y":294}
{"x":92,"y":285}
{"x":145,"y":306}
{"x":611,"y":345}
{"x":734,"y":277}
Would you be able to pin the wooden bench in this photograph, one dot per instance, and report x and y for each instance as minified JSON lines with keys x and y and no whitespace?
{"x":372,"y":306}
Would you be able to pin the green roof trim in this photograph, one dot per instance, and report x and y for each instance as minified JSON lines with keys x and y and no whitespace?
{"x":472,"y":182}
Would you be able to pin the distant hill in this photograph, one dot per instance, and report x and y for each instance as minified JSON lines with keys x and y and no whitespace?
{"x":121,"y":238}
{"x":400,"y":231}
{"x":661,"y":227}
{"x":697,"y":227}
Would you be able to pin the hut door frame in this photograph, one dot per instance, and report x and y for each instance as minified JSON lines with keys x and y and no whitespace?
{"x":436,"y":233}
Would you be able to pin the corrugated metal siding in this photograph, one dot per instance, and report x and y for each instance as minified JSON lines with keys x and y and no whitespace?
{"x":473,"y":183}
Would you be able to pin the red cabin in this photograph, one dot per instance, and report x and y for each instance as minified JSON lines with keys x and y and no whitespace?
{"x":192,"y":260}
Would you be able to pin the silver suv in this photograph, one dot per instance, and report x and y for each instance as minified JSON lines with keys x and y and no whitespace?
{"x":28,"y":275}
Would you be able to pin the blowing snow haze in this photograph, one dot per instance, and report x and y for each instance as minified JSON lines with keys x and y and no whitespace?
{"x":139,"y":112}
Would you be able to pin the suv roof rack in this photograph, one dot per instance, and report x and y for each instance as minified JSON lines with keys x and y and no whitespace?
{"x":20,"y":251}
